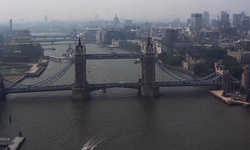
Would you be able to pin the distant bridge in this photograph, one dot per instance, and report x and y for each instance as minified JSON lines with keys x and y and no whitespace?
{"x":52,"y":41}
{"x":65,"y":36}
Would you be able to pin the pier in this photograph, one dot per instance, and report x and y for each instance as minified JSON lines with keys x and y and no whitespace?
{"x":15,"y":143}
{"x":228,"y":100}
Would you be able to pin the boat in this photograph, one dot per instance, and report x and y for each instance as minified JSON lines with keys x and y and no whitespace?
{"x":4,"y":141}
{"x":137,"y":61}
{"x":103,"y":90}
{"x":88,"y":146}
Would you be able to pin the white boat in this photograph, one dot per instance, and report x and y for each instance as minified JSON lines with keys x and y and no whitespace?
{"x":103,"y":90}
{"x":88,"y":146}
{"x":137,"y":61}
{"x":4,"y":141}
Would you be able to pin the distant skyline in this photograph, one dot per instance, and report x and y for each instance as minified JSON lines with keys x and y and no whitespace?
{"x":164,"y":10}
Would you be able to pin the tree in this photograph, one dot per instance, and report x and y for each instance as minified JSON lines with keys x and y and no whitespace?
{"x":213,"y":55}
{"x":170,"y":59}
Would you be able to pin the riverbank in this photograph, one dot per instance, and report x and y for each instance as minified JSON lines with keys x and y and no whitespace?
{"x":228,"y":100}
{"x":108,"y":46}
{"x":36,"y":69}
{"x":164,"y":66}
{"x":182,"y":70}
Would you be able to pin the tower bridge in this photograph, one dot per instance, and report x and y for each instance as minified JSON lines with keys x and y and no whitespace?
{"x":146,"y":86}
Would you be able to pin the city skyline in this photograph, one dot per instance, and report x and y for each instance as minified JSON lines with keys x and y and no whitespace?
{"x":161,"y":10}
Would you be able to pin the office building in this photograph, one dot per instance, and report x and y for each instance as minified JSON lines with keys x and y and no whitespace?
{"x":245,"y":24}
{"x":206,"y":19}
{"x":224,"y":19}
{"x":196,"y":22}
{"x":170,"y":37}
{"x":237,"y":20}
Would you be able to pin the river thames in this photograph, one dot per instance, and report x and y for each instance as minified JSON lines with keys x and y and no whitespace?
{"x":181,"y":118}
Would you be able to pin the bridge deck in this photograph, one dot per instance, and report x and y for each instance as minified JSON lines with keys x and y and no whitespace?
{"x":94,"y":87}
{"x":114,"y":56}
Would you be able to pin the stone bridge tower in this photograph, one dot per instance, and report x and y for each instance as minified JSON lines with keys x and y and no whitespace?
{"x":148,"y":87}
{"x":80,"y":88}
{"x":225,"y":82}
{"x":245,"y":77}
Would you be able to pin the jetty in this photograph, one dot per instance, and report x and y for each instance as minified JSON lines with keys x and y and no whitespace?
{"x":228,"y":100}
{"x":15,"y":143}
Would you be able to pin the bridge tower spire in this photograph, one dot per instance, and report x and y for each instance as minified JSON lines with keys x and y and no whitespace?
{"x":80,"y":88}
{"x":148,"y":87}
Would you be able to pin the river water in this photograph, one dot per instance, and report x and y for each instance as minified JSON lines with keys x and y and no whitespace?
{"x":181,"y":118}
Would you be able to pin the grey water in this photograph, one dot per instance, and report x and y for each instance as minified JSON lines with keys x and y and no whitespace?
{"x":181,"y":118}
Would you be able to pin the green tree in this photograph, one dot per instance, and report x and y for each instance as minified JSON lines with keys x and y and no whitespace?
{"x":213,"y":55}
{"x":170,"y":59}
{"x":129,"y":46}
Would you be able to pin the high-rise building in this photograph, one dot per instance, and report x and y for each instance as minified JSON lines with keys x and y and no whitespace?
{"x":188,"y":21}
{"x":224,"y":19}
{"x":246,"y":24}
{"x":237,"y":20}
{"x":11,"y":24}
{"x":206,"y":19}
{"x":196,"y":22}
{"x":171,"y":37}
{"x":215,"y":23}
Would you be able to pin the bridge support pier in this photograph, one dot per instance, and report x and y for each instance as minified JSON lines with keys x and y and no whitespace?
{"x":2,"y":94}
{"x":80,"y":93}
{"x":225,"y":82}
{"x":149,"y":91}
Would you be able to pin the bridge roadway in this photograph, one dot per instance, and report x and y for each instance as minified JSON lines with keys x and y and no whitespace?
{"x":54,"y":40}
{"x":94,"y":87}
{"x":114,"y":56}
{"x":51,"y":36}
{"x":103,"y":56}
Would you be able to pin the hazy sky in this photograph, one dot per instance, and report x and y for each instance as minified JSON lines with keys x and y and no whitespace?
{"x":29,"y":10}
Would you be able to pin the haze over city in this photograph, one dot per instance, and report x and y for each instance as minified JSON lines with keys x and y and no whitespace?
{"x":123,"y":74}
{"x":157,"y":10}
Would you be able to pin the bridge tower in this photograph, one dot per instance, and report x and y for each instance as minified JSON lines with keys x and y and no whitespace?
{"x":80,"y":89}
{"x":245,"y":77}
{"x":148,"y":87}
{"x":2,"y":95}
{"x":225,"y":82}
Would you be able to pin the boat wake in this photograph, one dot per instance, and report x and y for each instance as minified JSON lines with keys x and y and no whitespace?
{"x":94,"y":141}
